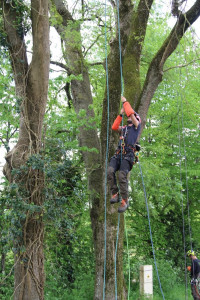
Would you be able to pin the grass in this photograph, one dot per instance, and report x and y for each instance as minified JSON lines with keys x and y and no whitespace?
{"x":176,"y":293}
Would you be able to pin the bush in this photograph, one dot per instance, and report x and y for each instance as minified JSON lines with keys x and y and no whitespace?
{"x":83,"y":289}
{"x":171,"y":278}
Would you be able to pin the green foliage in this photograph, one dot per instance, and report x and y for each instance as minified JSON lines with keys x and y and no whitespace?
{"x":70,"y":260}
{"x":83,"y":289}
{"x":175,"y":293}
{"x":170,"y":277}
{"x":9,"y":111}
{"x":21,"y":10}
{"x":7,"y":278}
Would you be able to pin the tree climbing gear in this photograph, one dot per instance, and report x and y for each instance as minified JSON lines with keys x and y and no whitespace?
{"x":127,"y":148}
{"x":122,"y":139}
{"x":195,"y":287}
{"x":136,"y":153}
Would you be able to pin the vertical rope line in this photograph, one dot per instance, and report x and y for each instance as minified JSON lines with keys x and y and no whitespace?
{"x":180,"y":108}
{"x":107,"y":145}
{"x":151,"y":232}
{"x":182,"y":211}
{"x":116,"y":256}
{"x":121,"y":76}
{"x":186,"y":174}
{"x":129,"y":273}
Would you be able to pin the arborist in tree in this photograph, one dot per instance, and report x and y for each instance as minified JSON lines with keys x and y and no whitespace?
{"x":125,"y":155}
{"x":195,"y":274}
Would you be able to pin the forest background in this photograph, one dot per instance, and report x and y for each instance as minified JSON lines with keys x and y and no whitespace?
{"x":169,"y":157}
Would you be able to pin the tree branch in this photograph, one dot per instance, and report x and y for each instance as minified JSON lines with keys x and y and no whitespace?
{"x":131,"y":63}
{"x":181,"y":66}
{"x":96,"y":63}
{"x":16,"y":45}
{"x":93,"y":43}
{"x":141,"y":20}
{"x":63,"y":11}
{"x":125,"y":15}
{"x":155,"y":71}
{"x":112,"y":3}
{"x":63,"y":66}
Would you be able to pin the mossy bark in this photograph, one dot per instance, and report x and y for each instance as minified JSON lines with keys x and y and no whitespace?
{"x":31,"y":83}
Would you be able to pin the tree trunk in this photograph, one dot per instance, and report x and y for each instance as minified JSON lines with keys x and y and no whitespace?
{"x":31,"y":87}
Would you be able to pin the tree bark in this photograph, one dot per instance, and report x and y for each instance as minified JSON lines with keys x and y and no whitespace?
{"x":31,"y":83}
{"x":133,"y":49}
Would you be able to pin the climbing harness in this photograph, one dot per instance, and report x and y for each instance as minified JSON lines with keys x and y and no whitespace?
{"x":123,"y":148}
{"x":195,"y":284}
{"x":122,"y":139}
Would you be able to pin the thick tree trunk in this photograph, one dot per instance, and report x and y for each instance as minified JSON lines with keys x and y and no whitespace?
{"x":31,"y":86}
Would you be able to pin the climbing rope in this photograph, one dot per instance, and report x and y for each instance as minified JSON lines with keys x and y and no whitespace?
{"x":181,"y":123}
{"x":129,"y":269}
{"x":116,"y":256}
{"x":122,"y":91}
{"x":153,"y":251}
{"x":120,"y":49}
{"x":185,"y":160}
{"x":182,"y":210}
{"x":121,"y":76}
{"x":106,"y":164}
{"x":107,"y":145}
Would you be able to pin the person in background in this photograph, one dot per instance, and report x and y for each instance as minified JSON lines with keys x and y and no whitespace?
{"x":194,"y":274}
{"x":124,"y":157}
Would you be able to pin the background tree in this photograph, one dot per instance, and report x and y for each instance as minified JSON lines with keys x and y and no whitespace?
{"x":22,"y":169}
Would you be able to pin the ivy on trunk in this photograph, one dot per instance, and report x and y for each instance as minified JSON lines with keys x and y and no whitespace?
{"x":23,"y":168}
